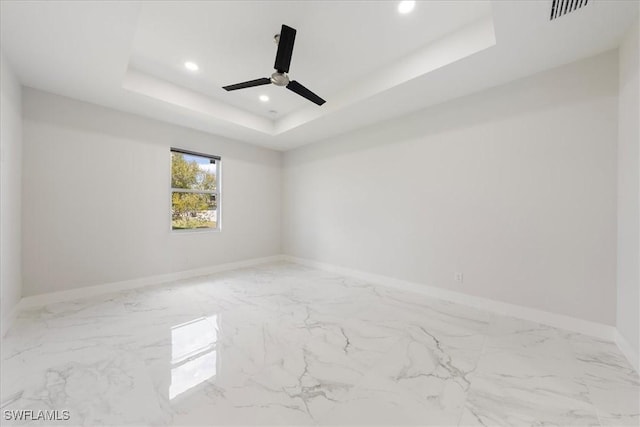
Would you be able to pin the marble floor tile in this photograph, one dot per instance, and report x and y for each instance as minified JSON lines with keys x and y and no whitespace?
{"x":283,"y":344}
{"x":516,"y":389}
{"x":614,"y":386}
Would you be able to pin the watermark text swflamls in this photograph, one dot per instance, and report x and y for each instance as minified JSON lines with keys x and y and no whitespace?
{"x":41,"y":415}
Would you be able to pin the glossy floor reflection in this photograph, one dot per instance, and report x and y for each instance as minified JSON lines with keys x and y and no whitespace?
{"x":283,"y":344}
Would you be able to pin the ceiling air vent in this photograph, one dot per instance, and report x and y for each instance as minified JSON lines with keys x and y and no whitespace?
{"x":562,"y":7}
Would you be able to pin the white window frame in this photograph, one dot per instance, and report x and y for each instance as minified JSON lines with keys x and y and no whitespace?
{"x":172,"y":190}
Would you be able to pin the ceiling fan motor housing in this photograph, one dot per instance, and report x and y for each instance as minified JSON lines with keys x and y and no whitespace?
{"x":279,"y":79}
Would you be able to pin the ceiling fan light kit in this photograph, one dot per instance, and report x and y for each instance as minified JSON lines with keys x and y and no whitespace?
{"x":285,"y":41}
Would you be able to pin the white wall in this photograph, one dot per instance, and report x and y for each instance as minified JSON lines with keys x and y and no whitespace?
{"x":515,"y":187}
{"x":10,"y":191}
{"x":96,"y":197}
{"x":628,"y":320}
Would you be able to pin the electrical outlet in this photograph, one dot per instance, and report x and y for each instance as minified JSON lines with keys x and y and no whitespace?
{"x":457,"y":276}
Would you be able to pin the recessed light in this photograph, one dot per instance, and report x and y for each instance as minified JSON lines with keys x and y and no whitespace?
{"x":264,"y":98}
{"x":191,"y":66}
{"x":406,"y":6}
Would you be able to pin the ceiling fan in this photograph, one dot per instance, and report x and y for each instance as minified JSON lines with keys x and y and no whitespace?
{"x":280,"y":78}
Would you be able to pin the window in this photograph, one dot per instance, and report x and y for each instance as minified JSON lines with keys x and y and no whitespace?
{"x":195,"y":191}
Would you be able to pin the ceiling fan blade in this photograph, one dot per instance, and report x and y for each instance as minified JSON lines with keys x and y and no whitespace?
{"x":250,"y":83}
{"x":285,"y":49}
{"x":296,"y":87}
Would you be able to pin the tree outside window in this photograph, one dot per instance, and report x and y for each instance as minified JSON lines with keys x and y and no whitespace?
{"x":194,"y":191}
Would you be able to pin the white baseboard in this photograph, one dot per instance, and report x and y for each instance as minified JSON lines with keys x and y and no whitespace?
{"x":89,"y":291}
{"x":582,"y":326}
{"x":8,"y":319}
{"x":628,"y":351}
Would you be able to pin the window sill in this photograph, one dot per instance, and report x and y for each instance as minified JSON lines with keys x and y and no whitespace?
{"x":195,"y":230}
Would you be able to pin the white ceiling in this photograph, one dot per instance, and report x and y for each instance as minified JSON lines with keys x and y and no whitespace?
{"x":366,"y":60}
{"x":336,"y":44}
